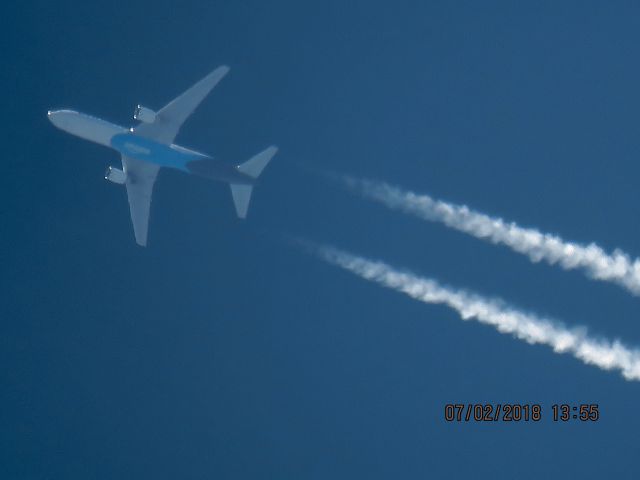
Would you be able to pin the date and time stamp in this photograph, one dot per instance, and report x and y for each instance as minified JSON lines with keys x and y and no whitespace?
{"x":516,"y":412}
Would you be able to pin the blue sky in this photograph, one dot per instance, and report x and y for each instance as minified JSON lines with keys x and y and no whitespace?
{"x":220,"y":351}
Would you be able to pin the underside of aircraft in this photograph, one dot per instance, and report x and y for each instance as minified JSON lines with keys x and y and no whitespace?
{"x":149,"y":146}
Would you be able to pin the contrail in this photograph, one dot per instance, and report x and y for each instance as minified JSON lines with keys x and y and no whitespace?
{"x":616,"y":268}
{"x":603,"y":354}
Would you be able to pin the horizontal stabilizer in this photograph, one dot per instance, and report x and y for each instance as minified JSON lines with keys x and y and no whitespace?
{"x":241,"y":196}
{"x":256,"y":164}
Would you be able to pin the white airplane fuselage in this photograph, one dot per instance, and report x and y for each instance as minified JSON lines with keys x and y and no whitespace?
{"x":149,"y":146}
{"x":127,"y":143}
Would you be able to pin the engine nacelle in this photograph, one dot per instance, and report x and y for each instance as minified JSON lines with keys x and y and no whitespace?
{"x":144,"y":114}
{"x":115,"y":175}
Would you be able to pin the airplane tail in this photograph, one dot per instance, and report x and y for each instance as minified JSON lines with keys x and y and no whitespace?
{"x":253,"y":167}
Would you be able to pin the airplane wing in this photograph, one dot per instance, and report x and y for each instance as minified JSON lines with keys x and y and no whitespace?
{"x":170,"y":118}
{"x":140,"y":179}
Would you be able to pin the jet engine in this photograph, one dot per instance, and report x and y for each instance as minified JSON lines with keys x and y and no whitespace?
{"x":144,"y":114}
{"x":115,"y":175}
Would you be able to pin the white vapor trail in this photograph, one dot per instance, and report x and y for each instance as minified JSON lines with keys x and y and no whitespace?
{"x":604,"y":354}
{"x":616,"y":268}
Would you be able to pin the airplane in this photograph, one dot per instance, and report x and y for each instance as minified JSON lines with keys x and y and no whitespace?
{"x":148,"y":146}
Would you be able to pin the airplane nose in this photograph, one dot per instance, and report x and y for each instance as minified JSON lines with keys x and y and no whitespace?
{"x":57,"y":117}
